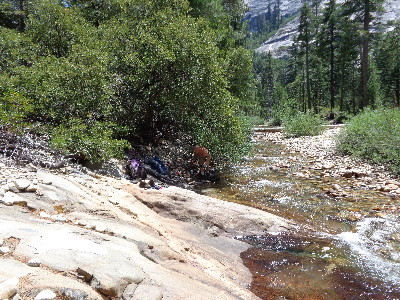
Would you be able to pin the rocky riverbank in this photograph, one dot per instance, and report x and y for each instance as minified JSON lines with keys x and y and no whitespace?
{"x":74,"y":234}
{"x":317,"y":157}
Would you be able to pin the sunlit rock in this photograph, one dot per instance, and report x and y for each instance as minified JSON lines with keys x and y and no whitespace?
{"x":45,"y":295}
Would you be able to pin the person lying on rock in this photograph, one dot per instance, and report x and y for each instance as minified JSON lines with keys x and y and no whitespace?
{"x":202,"y":157}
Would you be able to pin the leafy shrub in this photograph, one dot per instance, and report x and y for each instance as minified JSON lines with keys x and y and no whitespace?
{"x":375,"y":136}
{"x":92,"y":142}
{"x":13,"y":108}
{"x":302,"y":124}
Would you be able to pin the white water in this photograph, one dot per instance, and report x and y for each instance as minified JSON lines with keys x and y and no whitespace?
{"x":372,"y":247}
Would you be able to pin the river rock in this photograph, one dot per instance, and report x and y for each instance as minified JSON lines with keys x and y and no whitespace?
{"x":31,"y":188}
{"x":11,"y":198}
{"x":4,"y":250}
{"x":1,"y":242}
{"x":2,"y":192}
{"x":11,"y":187}
{"x":44,"y":214}
{"x":388,"y":188}
{"x":8,"y":288}
{"x":71,"y":294}
{"x":22,"y":184}
{"x":34,"y":262}
{"x":45,"y":295}
{"x":59,"y":218}
{"x":100,"y":228}
{"x":395,"y":182}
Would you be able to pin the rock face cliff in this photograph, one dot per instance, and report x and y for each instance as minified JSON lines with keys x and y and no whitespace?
{"x":78,"y":235}
{"x":285,"y":35}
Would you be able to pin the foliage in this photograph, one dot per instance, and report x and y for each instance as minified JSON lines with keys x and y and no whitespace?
{"x":91,"y":141}
{"x":148,"y":66}
{"x":375,"y":136}
{"x":13,"y":109}
{"x":302,"y":124}
{"x":16,"y":50}
{"x":325,"y":67}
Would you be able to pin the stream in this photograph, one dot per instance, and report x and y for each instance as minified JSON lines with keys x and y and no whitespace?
{"x":344,"y":248}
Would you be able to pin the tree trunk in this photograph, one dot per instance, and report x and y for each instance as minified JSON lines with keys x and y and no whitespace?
{"x":364,"y":55}
{"x":309,"y":103}
{"x":397,"y":93}
{"x":332,"y":70}
{"x":22,"y":13}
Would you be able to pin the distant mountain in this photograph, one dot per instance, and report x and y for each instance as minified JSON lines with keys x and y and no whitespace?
{"x":285,"y":35}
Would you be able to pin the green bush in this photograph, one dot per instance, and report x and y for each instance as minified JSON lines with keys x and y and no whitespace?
{"x":13,"y":108}
{"x":92,"y":142}
{"x":375,"y":136}
{"x":302,"y":124}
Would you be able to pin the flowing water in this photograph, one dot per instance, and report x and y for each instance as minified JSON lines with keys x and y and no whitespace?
{"x":346,"y":247}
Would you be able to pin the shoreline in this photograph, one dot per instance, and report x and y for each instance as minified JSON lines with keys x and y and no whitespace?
{"x":97,"y":237}
{"x":322,"y":158}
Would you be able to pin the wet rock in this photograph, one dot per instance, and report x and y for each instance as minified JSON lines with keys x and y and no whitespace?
{"x":45,"y":295}
{"x":8,"y":288}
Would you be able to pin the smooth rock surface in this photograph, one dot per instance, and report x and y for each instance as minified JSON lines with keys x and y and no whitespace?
{"x":22,"y":184}
{"x":45,"y":295}
{"x":150,"y":241}
{"x":8,"y":288}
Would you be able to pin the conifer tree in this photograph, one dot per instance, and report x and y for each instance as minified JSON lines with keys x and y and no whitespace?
{"x":304,"y":39}
{"x":363,"y":11}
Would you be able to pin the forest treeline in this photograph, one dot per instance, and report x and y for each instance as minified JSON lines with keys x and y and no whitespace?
{"x":342,"y":61}
{"x":96,"y":75}
{"x":93,"y":74}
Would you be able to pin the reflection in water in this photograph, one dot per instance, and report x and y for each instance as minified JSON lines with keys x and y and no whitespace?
{"x":355,"y":253}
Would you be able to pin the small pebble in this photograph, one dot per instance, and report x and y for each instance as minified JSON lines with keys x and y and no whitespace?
{"x":31,"y":188}
{"x":100,"y":228}
{"x":4,"y":250}
{"x":47,"y":181}
{"x":34,"y":262}
{"x":22,"y":184}
{"x":59,"y":218}
{"x":7,"y":202}
{"x":45,"y":295}
{"x":44,"y":214}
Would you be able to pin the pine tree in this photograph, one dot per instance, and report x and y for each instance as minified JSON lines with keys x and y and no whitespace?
{"x":327,"y":38}
{"x":304,"y":39}
{"x":363,"y":10}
